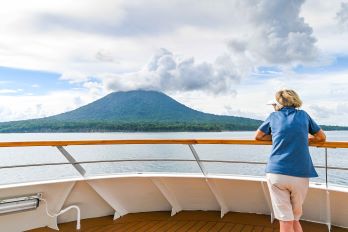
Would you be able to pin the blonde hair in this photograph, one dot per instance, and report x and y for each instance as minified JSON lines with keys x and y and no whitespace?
{"x":288,"y":97}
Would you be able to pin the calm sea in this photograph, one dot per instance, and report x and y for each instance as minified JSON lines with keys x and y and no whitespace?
{"x":35,"y":155}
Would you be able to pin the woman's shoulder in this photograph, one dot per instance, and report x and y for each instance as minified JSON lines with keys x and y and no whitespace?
{"x":272,"y":114}
{"x":302,"y":112}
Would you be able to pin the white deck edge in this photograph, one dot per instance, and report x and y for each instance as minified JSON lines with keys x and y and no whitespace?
{"x":313,"y":185}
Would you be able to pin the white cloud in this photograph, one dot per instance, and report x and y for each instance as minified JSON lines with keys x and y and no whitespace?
{"x":26,"y":107}
{"x":274,"y":39}
{"x":342,"y":16}
{"x":95,"y":88}
{"x":323,"y":17}
{"x":119,"y":36}
{"x":10,"y":91}
{"x":61,"y":36}
{"x":75,"y":77}
{"x":104,"y":56}
{"x":321,"y":111}
{"x":270,"y":37}
{"x":237,"y":112}
{"x":4,"y":82}
{"x":169,"y":72}
{"x":278,"y":35}
{"x":333,"y":114}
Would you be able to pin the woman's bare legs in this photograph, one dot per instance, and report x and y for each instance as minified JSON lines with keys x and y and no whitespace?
{"x":290,"y":226}
{"x":286,"y":226}
{"x":297,"y":226}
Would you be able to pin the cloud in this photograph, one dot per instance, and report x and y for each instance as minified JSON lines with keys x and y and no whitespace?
{"x":20,"y":107}
{"x":279,"y":36}
{"x":10,"y":91}
{"x":80,"y":15}
{"x":169,"y":72}
{"x":342,"y":108}
{"x":88,"y":36}
{"x":321,"y":111}
{"x":276,"y":36}
{"x":94,"y":87}
{"x":342,"y":16}
{"x":327,"y":20}
{"x":229,"y":110}
{"x":334,"y":114}
{"x":339,"y":91}
{"x":75,"y":77}
{"x":104,"y":56}
{"x":5,"y":82}
{"x":134,"y":18}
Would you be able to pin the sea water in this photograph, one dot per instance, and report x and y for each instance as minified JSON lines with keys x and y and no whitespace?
{"x":236,"y":154}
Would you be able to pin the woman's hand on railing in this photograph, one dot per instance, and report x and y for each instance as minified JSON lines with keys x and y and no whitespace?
{"x":317,"y":137}
{"x":260,"y":135}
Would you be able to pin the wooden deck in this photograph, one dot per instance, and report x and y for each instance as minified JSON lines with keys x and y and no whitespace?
{"x":185,"y":221}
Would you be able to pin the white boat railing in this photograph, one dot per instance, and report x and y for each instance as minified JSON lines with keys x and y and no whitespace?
{"x":60,"y":145}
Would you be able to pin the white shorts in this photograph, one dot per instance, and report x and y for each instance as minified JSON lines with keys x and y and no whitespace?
{"x":287,"y":195}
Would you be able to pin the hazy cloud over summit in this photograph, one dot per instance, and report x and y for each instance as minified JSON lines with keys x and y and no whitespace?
{"x":169,"y":72}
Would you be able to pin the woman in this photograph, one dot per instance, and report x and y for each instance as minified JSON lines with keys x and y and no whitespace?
{"x":290,"y":166}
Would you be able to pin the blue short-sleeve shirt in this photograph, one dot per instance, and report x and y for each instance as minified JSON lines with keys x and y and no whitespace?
{"x":290,"y":153}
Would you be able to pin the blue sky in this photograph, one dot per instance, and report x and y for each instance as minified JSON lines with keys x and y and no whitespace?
{"x":224,"y":57}
{"x":338,"y":64}
{"x":22,"y":81}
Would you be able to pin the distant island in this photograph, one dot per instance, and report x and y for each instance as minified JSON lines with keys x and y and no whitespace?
{"x":135,"y":111}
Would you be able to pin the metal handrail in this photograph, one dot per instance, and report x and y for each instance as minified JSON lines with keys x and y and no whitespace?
{"x":189,"y":142}
{"x":152,"y":160}
{"x":55,"y":143}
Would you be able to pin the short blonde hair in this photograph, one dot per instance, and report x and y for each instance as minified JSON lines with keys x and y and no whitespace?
{"x":288,"y":97}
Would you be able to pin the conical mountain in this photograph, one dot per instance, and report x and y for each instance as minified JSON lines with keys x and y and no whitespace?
{"x":139,"y":105}
{"x":135,"y":111}
{"x":138,"y":110}
{"x":136,"y":105}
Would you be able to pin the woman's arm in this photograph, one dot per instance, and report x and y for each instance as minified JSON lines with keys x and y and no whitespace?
{"x":259,"y":135}
{"x":317,"y":137}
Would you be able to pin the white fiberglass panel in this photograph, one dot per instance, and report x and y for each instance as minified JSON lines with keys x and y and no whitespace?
{"x":243,"y":196}
{"x":191,"y":193}
{"x":132,"y":194}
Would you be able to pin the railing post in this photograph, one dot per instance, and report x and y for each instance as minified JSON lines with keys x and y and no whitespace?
{"x":72,"y":160}
{"x":195,"y":154}
{"x":326,"y":179}
{"x":328,"y":206}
